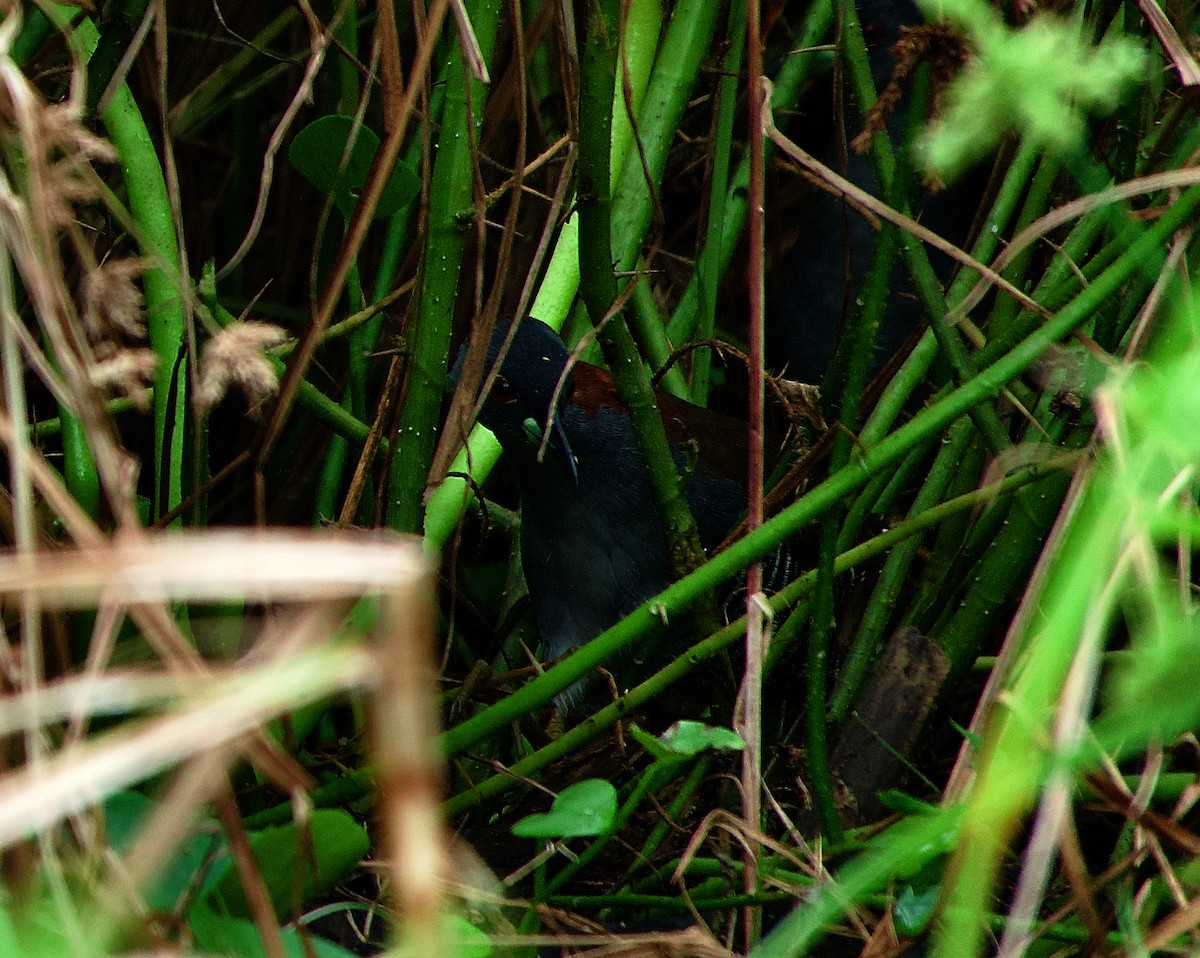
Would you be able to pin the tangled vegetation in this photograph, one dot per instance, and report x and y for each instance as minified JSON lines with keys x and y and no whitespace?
{"x":270,"y":681}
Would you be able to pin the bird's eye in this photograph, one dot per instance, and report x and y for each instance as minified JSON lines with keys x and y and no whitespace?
{"x":503,"y":391}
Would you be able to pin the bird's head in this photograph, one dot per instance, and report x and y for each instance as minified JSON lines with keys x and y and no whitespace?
{"x":523,"y":397}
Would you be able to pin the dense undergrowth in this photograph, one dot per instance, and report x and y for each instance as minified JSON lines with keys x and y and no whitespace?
{"x":242,"y":245}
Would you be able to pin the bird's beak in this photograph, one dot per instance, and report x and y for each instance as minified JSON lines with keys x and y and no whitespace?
{"x":534,"y":431}
{"x":560,"y":435}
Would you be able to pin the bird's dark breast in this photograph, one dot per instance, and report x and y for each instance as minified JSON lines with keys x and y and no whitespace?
{"x":587,"y":555}
{"x":709,"y":449}
{"x":594,"y":550}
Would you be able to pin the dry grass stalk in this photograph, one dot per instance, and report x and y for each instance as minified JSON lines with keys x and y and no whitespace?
{"x":203,"y":723}
{"x":46,"y":183}
{"x":406,"y":717}
{"x":37,"y":797}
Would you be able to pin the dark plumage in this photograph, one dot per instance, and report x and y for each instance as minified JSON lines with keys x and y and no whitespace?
{"x":592,"y":544}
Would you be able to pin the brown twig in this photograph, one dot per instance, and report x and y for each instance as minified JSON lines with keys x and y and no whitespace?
{"x":258,"y":899}
{"x":883,"y":211}
{"x":318,"y":45}
{"x":748,"y":708}
{"x":356,"y":230}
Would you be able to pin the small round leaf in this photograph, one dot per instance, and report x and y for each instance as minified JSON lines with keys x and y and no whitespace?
{"x":692,"y":738}
{"x":585,"y":808}
{"x":316,"y":153}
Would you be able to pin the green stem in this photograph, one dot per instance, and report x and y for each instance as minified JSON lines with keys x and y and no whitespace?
{"x":707,"y":278}
{"x":816,"y":677}
{"x":651,"y":779}
{"x":892,"y":177}
{"x":561,"y":281}
{"x":218,"y":91}
{"x":687,"y":41}
{"x":788,"y":84}
{"x":150,"y":206}
{"x":315,"y":402}
{"x":598,"y":284}
{"x":450,"y":215}
{"x":882,"y":605}
{"x":463,"y":736}
{"x":930,"y":422}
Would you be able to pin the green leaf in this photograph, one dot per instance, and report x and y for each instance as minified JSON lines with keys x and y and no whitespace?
{"x":585,"y":808}
{"x":917,"y":899}
{"x":692,"y":738}
{"x":899,"y":852}
{"x":462,"y":939}
{"x":654,"y":748}
{"x":1151,"y":695}
{"x":913,"y":909}
{"x":216,"y":934}
{"x":1040,"y":80}
{"x":316,"y":153}
{"x":125,"y":814}
{"x":10,"y":940}
{"x":292,"y":875}
{"x":35,"y":931}
{"x":897,"y":801}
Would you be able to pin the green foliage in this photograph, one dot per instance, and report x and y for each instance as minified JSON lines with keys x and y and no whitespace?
{"x":240,"y":938}
{"x":1152,"y":693}
{"x":127,"y":812}
{"x":1040,"y":80}
{"x":692,"y":738}
{"x":943,"y":493}
{"x":297,"y":862}
{"x":1154,"y":451}
{"x":901,"y":851}
{"x":319,"y":152}
{"x":915,"y":906}
{"x":585,"y":808}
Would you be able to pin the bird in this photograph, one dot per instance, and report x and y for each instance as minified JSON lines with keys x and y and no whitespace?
{"x":592,"y":544}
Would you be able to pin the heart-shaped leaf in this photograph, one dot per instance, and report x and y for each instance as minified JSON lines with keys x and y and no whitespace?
{"x":692,"y":738}
{"x":292,"y":875}
{"x":217,"y":934}
{"x":585,"y":808}
{"x":316,"y":152}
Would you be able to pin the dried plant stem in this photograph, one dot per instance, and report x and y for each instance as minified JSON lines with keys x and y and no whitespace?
{"x":356,"y":230}
{"x":22,"y":493}
{"x":749,"y":722}
{"x":319,"y":37}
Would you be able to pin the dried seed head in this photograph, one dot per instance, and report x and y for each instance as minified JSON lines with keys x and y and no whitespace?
{"x":128,"y":371}
{"x":235,"y":356}
{"x":112,"y":301}
{"x":63,"y":130}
